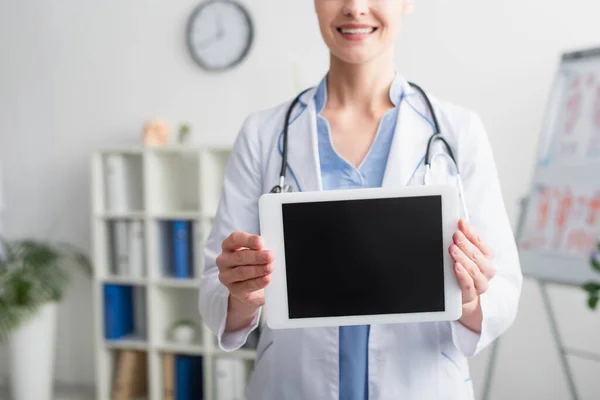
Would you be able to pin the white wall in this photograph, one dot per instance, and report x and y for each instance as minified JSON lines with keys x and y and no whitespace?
{"x":76,"y":75}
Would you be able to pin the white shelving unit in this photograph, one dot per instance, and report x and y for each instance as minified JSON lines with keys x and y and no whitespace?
{"x":163,"y":184}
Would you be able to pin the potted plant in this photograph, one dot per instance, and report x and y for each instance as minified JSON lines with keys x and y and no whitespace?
{"x":184,"y":134}
{"x":593,"y":288}
{"x":33,"y":279}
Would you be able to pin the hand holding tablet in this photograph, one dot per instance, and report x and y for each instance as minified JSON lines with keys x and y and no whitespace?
{"x":245,"y":268}
{"x":365,"y":256}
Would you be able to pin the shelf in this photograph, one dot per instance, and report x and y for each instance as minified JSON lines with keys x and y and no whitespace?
{"x":173,"y":181}
{"x":167,"y":196}
{"x":171,"y":305}
{"x":121,"y":215}
{"x":212,"y":172}
{"x":177,"y":348}
{"x":122,"y":150}
{"x":124,"y":280}
{"x":174,"y":149}
{"x":176,"y":215}
{"x":178,"y":283}
{"x":131,"y":342}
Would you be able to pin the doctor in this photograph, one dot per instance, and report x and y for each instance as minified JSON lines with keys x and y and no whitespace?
{"x":362,"y":126}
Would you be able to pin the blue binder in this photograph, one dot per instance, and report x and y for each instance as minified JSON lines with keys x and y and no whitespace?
{"x":118,"y":311}
{"x":188,"y":378}
{"x":181,"y":248}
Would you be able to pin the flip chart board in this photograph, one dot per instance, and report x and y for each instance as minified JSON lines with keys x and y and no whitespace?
{"x":560,"y":224}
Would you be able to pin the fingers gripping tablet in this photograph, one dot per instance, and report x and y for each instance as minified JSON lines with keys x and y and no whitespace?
{"x":364,"y":256}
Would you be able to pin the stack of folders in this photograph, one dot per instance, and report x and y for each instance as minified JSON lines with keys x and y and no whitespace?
{"x":124,"y":312}
{"x":131,"y":376}
{"x":178,"y":248}
{"x":123,"y":184}
{"x":123,"y":194}
{"x":182,"y":377}
{"x":128,"y":248}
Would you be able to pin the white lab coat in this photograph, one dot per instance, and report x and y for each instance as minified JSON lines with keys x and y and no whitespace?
{"x":414,"y":361}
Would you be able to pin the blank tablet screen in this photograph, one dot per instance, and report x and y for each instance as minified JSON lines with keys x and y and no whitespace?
{"x":364,"y":257}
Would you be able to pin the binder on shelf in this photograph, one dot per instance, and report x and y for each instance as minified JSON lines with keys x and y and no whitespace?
{"x":123,"y":182}
{"x":188,"y":377}
{"x":131,"y":375}
{"x":176,"y":248}
{"x":118,"y":311}
{"x":139,"y":318}
{"x":116,"y":183}
{"x":182,"y":248}
{"x":136,"y":249}
{"x":183,"y":378}
{"x":165,"y":248}
{"x":168,"y":370}
{"x":120,"y":247}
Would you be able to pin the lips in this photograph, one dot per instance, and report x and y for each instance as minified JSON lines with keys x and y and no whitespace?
{"x":356,"y":31}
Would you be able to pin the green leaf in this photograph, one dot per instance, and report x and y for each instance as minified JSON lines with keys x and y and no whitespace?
{"x":33,"y":273}
{"x":596,"y":265}
{"x":12,"y":317}
{"x":77,"y":256}
{"x":591,"y":287}
{"x":38,"y":255}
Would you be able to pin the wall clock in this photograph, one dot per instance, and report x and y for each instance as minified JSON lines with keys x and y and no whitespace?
{"x":219,"y":34}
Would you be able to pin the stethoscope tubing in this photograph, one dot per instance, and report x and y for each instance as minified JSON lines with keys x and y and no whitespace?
{"x":436,"y":136}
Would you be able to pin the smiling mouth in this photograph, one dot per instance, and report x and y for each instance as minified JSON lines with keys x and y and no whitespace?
{"x":356,"y":31}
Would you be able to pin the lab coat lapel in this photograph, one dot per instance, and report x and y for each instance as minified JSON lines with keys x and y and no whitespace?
{"x":303,"y":151}
{"x":409,"y":144}
{"x":407,"y":152}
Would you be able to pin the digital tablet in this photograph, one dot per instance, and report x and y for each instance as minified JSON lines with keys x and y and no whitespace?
{"x":361,"y":256}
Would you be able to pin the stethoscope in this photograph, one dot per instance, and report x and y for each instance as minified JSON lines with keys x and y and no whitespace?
{"x":429,"y":159}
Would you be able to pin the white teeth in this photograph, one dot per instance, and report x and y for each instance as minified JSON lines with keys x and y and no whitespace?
{"x":360,"y":31}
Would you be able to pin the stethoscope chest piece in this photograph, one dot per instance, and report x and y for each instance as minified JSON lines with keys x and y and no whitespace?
{"x":282,"y":189}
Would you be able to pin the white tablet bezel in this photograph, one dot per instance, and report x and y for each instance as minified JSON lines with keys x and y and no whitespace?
{"x":271,"y":227}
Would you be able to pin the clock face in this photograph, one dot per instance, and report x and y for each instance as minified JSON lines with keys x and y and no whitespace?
{"x":219,"y":34}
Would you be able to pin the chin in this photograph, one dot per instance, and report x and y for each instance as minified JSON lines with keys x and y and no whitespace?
{"x":356,"y":57}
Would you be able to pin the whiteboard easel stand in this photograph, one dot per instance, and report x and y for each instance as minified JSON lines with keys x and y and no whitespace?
{"x":558,"y":340}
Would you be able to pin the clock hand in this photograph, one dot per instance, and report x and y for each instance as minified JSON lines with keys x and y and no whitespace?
{"x":220,"y":30}
{"x":208,"y":41}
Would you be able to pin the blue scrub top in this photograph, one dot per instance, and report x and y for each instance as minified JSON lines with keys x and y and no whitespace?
{"x":338,"y":173}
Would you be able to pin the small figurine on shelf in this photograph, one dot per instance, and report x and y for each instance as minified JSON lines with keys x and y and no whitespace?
{"x":183,"y":332}
{"x":184,"y":134}
{"x":156,"y":132}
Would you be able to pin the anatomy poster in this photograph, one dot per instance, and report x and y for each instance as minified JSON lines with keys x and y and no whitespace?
{"x":562,"y":220}
{"x":576,"y":132}
{"x":593,"y":151}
